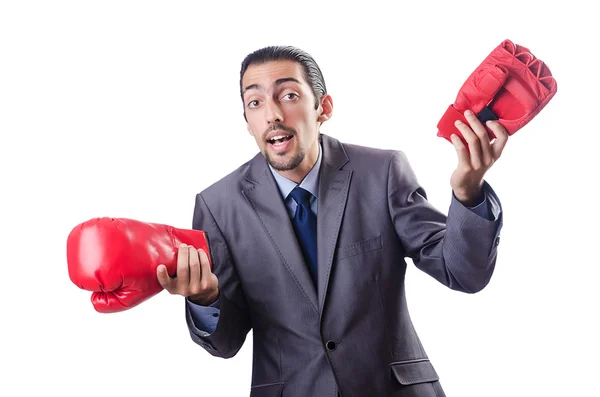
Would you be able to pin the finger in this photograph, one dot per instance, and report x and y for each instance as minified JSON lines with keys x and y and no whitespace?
{"x":163,"y":278}
{"x":484,"y":138}
{"x":473,"y":143}
{"x":195,"y":273}
{"x":501,"y":138}
{"x":461,"y":150}
{"x":205,"y":265}
{"x":183,"y":270}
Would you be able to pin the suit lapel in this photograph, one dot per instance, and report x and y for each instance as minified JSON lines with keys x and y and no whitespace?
{"x":265,"y":198}
{"x":333,"y":193}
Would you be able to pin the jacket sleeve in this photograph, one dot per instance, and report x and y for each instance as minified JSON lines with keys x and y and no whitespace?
{"x":459,"y":249}
{"x":233,"y":317}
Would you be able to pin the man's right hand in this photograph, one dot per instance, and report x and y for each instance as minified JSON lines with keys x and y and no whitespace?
{"x":194,"y":278}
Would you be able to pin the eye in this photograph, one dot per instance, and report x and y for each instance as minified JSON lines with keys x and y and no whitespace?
{"x":290,"y":96}
{"x":253,"y":103}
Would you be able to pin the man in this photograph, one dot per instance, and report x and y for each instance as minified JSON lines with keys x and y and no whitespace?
{"x":308,"y":242}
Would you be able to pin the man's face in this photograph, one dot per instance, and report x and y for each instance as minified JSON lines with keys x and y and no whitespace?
{"x":281,"y":115}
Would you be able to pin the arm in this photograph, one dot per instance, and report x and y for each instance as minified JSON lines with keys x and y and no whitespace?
{"x":233,"y":322}
{"x":458,"y":250}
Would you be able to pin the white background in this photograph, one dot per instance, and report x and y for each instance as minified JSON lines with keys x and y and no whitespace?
{"x":129,"y":108}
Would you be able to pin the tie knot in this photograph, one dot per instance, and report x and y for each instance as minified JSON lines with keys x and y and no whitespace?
{"x":301,"y":196}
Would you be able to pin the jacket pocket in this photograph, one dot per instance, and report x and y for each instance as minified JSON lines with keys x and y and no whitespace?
{"x":414,"y":372}
{"x":268,"y":390}
{"x":360,"y":247}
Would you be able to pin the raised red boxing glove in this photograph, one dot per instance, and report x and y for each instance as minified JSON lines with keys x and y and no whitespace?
{"x":117,"y":258}
{"x":511,"y":85}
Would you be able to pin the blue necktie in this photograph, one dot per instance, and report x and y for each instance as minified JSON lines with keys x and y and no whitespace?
{"x":305,"y":225}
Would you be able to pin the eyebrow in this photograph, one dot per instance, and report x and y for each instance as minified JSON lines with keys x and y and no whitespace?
{"x":277,"y":82}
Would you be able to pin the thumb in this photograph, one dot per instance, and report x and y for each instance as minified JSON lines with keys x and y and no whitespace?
{"x":163,"y":276}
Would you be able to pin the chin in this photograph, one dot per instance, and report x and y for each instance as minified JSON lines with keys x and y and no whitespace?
{"x":286,"y":162}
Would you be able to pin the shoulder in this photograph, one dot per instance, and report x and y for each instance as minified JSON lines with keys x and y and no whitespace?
{"x":372,"y":167}
{"x":229,"y":186}
{"x":372,"y":158}
{"x":362,"y":152}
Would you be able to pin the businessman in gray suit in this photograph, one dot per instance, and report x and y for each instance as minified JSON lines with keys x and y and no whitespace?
{"x":308,"y":242}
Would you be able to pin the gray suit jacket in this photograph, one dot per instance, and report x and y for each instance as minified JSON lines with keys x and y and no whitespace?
{"x":352,"y":334}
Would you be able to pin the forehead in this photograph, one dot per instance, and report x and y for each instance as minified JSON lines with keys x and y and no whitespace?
{"x":267,"y":74}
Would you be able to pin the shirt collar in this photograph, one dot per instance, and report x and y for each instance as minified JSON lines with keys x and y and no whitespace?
{"x":310,"y":181}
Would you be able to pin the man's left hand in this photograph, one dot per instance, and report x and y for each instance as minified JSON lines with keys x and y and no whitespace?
{"x":473,"y":163}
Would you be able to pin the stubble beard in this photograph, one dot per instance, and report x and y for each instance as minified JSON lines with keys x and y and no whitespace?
{"x":279,"y":161}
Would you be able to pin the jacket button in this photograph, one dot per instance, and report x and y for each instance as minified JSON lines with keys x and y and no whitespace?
{"x":331,"y":345}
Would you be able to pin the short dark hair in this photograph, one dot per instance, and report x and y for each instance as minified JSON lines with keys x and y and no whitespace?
{"x":312,"y":72}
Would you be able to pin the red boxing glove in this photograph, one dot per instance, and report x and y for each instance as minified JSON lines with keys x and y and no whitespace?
{"x":117,"y":258}
{"x":511,"y":86}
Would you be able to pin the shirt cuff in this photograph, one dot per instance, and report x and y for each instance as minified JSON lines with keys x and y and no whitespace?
{"x":205,"y":318}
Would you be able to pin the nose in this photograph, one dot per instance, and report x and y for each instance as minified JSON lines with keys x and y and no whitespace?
{"x":273,"y":114}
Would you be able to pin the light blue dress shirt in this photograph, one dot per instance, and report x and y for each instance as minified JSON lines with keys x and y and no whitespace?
{"x":206,"y":317}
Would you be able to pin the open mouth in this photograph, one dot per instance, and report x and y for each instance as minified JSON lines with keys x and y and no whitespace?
{"x":279,"y":140}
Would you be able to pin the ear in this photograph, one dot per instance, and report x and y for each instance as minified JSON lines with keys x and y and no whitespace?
{"x":326,"y":108}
